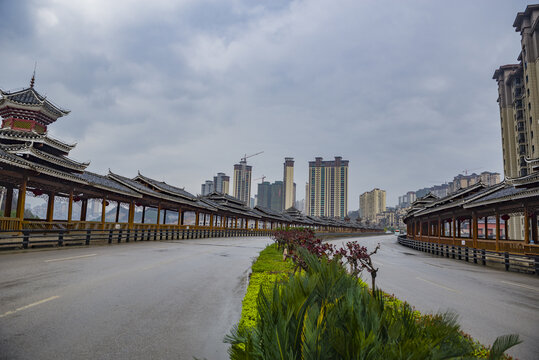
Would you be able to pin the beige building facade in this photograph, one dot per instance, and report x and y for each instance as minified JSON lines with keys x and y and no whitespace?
{"x":327,"y":190}
{"x":371,"y":204}
{"x":288,"y":181}
{"x":242,"y":182}
{"x":518,"y":99}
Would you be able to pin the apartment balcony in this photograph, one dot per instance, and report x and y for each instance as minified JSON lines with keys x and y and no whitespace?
{"x":520,"y":115}
{"x":520,"y":127}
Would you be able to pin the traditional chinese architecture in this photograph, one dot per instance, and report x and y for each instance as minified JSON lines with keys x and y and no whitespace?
{"x":33,"y":164}
{"x":481,"y":217}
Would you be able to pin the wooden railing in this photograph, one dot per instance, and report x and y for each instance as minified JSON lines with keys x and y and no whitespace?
{"x":9,"y":224}
{"x":511,"y":246}
{"x":521,"y":262}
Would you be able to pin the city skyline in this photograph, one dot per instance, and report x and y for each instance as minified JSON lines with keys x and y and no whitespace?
{"x":117,"y":93}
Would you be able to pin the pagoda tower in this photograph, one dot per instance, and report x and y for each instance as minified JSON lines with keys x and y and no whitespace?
{"x":23,"y":133}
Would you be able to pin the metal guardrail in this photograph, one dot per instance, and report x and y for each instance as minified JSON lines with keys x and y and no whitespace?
{"x":523,"y":263}
{"x":26,"y":239}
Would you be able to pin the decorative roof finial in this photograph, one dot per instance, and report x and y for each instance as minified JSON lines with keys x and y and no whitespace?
{"x":33,"y":76}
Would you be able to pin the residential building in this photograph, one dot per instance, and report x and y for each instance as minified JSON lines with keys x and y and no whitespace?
{"x":328,"y":188}
{"x":264,"y":195}
{"x":371,"y":204}
{"x":518,"y":99}
{"x":288,"y":181}
{"x":206,"y":188}
{"x":277,"y":190}
{"x":221,"y":183}
{"x":242,"y":181}
{"x":463,"y":181}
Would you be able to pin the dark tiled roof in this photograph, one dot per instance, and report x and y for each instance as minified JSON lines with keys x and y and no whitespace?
{"x":161,"y":185}
{"x":31,"y":97}
{"x":105,"y":182}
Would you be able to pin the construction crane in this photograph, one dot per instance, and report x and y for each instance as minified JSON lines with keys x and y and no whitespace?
{"x":243,"y":180}
{"x":263,"y":177}
{"x":245,"y":157}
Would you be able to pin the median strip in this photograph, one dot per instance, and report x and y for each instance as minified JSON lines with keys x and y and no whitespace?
{"x":71,"y":258}
{"x":29,"y":306}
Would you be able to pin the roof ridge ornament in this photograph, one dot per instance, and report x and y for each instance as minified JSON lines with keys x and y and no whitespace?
{"x":33,"y":80}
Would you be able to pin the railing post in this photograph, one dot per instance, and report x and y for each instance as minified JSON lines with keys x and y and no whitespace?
{"x":183,"y":234}
{"x":88,"y":236}
{"x":453,"y":250}
{"x":128,"y":235}
{"x":110,"y":236}
{"x":119,"y":236}
{"x":61,"y":238}
{"x":483,"y":257}
{"x":536,"y":263}
{"x":506,"y":260}
{"x":466,"y":254}
{"x":25,"y":239}
{"x":474,"y":256}
{"x":135,"y":235}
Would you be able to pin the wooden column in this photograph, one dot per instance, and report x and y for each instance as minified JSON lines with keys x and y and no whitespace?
{"x":454,"y":229}
{"x":9,"y":201}
{"x":70,"y":207}
{"x":103,"y":212}
{"x":475,"y":227}
{"x":497,"y":231}
{"x":50,"y":207}
{"x":143,"y":214}
{"x":204,"y":219}
{"x":131,"y":216}
{"x":183,"y":218}
{"x":526,"y":226}
{"x":158,"y":214}
{"x":21,"y":198}
{"x":236,"y":222}
{"x":211,"y":221}
{"x":164,"y":216}
{"x":179,"y":216}
{"x":534,"y":228}
{"x":83,"y":209}
{"x":196,"y":218}
{"x":117,"y":211}
{"x":439,"y":229}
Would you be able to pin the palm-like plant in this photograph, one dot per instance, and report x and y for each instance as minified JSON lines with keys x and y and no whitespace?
{"x":324,"y":313}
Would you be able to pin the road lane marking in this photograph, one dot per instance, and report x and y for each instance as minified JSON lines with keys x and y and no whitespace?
{"x":71,"y":258}
{"x":435,"y":284}
{"x":521,"y":285}
{"x":29,"y":306}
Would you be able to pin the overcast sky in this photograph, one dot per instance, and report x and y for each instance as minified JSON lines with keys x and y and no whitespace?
{"x":181,"y":90}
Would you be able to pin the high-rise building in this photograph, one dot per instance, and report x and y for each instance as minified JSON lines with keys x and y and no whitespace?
{"x":221,"y":183}
{"x":242,"y":182}
{"x":328,"y":187}
{"x":307,"y":197}
{"x":264,"y":195}
{"x":372,"y":203}
{"x":206,"y":188}
{"x":518,"y":99}
{"x":277,"y":190}
{"x":288,"y":181}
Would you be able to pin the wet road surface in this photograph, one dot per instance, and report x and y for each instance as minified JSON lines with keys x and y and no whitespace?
{"x":490,"y":302}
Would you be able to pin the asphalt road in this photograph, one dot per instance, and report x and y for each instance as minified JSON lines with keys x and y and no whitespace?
{"x":145,"y":300}
{"x":489,"y":302}
{"x":177,"y":299}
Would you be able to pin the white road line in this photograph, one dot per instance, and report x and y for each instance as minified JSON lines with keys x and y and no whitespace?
{"x":521,"y":285}
{"x":71,"y":258}
{"x":29,"y":306}
{"x":435,"y":284}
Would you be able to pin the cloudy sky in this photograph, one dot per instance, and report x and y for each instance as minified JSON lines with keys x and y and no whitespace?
{"x":181,"y":90}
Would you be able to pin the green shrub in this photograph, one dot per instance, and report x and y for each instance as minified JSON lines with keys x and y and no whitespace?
{"x":324,"y":313}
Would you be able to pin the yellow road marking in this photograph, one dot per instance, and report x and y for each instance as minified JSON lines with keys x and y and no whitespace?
{"x":71,"y":258}
{"x":29,"y":306}
{"x":521,"y":285}
{"x":435,"y":284}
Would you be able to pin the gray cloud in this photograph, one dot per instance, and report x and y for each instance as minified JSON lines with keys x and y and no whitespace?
{"x":181,"y":90}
